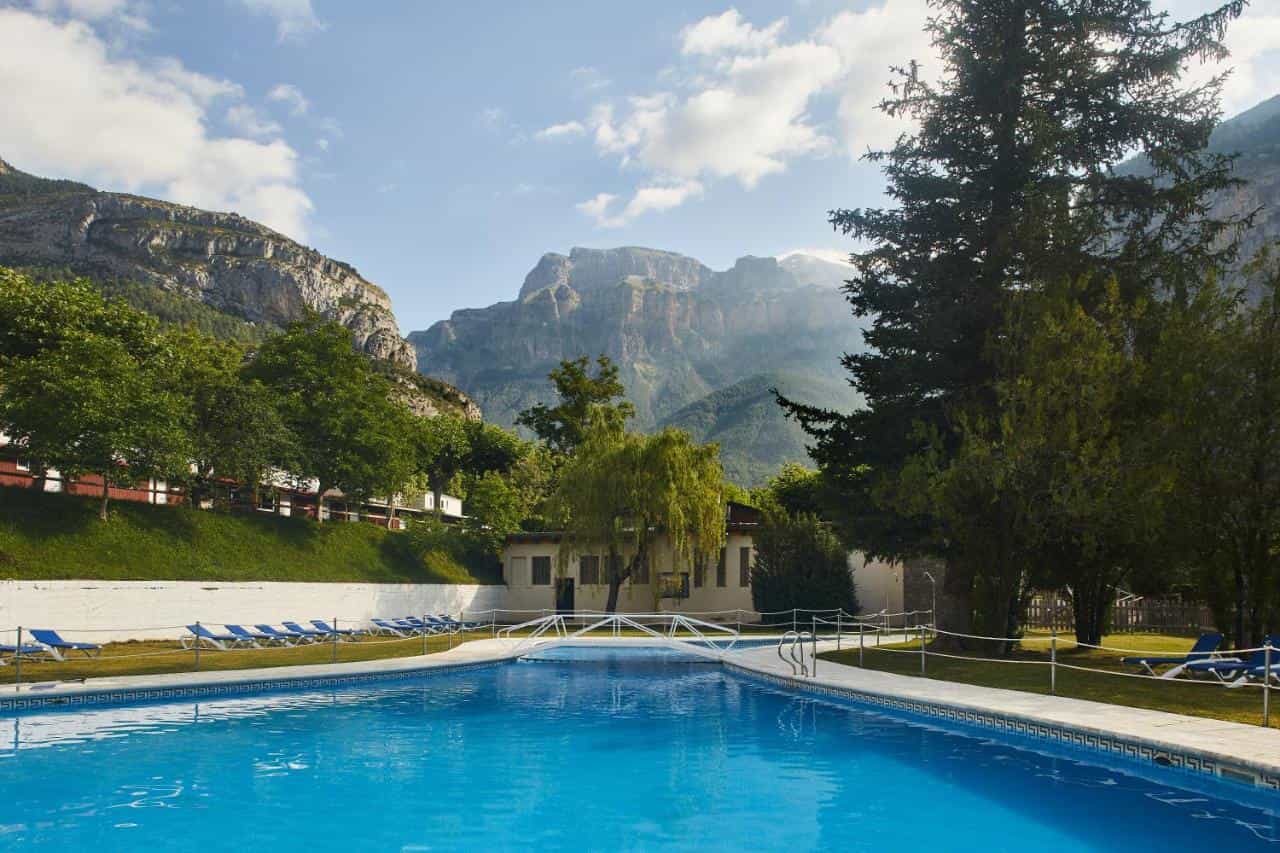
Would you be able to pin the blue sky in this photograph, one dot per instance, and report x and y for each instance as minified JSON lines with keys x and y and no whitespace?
{"x":442,"y":148}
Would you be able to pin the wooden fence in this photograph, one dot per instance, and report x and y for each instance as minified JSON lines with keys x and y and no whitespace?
{"x":1167,"y":616}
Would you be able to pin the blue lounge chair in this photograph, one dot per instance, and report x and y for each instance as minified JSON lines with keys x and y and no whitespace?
{"x":252,"y":636}
{"x":286,"y":636}
{"x":221,"y":642}
{"x":1205,"y":647}
{"x":302,"y":632}
{"x":29,"y":650}
{"x":1255,"y":673}
{"x":1227,"y":669}
{"x":440,"y":626}
{"x":325,"y":628}
{"x":56,"y":646}
{"x":397,"y":630}
{"x":428,"y":627}
{"x":460,"y":623}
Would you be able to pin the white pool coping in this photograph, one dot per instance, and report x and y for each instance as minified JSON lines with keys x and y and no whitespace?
{"x":1233,"y":751}
{"x":1230,"y":750}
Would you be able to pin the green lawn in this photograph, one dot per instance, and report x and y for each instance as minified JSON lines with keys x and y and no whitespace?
{"x":1201,"y":699}
{"x":47,"y":537}
{"x":154,"y":657}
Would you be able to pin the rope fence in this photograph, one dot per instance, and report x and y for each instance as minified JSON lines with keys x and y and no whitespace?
{"x":1256,"y":667}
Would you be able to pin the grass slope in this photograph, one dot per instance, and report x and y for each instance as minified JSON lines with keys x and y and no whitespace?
{"x":47,"y":537}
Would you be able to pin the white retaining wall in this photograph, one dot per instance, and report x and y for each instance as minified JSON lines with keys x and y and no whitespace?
{"x":101,"y":611}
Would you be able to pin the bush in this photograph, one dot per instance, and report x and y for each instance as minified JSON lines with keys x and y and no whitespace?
{"x":801,"y":564}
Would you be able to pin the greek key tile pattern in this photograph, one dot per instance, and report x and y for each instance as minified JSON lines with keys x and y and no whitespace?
{"x":119,"y":697}
{"x":1131,"y":749}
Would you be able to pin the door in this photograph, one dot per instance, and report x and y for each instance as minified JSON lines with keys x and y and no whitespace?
{"x":564,"y":595}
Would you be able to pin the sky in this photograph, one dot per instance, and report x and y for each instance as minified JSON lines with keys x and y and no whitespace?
{"x":442,"y":148}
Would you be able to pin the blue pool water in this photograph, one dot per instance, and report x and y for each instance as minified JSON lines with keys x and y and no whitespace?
{"x":621,"y":752}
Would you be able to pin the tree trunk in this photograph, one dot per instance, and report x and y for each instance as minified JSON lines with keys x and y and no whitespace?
{"x":955,"y":608}
{"x":41,"y":476}
{"x":1090,"y":604}
{"x":106,"y":496}
{"x":320,"y":503}
{"x":617,"y":575}
{"x":437,"y":498}
{"x":1241,"y":590}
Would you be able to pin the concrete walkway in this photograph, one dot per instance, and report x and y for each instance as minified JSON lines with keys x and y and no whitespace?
{"x":1252,"y":749}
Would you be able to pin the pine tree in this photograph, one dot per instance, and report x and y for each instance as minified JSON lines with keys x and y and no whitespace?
{"x":1008,"y":180}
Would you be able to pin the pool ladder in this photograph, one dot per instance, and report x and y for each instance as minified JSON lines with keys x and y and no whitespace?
{"x":795,"y":651}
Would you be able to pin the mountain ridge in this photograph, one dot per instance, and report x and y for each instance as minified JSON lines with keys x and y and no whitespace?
{"x":679,"y":331}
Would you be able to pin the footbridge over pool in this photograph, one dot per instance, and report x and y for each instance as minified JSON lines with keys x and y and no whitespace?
{"x":670,"y":630}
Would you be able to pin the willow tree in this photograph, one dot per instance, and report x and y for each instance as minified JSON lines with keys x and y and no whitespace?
{"x":621,"y":491}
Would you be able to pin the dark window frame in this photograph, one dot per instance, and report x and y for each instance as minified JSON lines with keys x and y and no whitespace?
{"x":535,"y":563}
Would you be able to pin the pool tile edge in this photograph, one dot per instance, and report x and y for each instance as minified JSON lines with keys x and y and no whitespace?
{"x":1151,"y":752}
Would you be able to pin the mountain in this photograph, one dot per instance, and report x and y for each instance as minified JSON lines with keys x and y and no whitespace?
{"x":695,"y":346}
{"x":1254,"y":137}
{"x":223,"y":273}
{"x":227,"y":262}
{"x":744,"y":420}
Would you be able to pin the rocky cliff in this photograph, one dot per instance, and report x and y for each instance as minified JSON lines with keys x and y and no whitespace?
{"x":679,"y":331}
{"x":228,"y":262}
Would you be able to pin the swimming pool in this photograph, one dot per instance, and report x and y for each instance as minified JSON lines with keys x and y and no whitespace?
{"x":630,"y":749}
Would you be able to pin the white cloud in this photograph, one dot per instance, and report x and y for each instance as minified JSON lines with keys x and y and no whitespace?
{"x":658,"y":197}
{"x":291,"y":96}
{"x":250,"y":122}
{"x":597,"y":206}
{"x":728,"y":33}
{"x":746,"y":122}
{"x":870,"y":43}
{"x":834,"y":256}
{"x":561,"y":131}
{"x":73,"y":108}
{"x":1254,"y":42}
{"x":322,"y":144}
{"x":295,"y":19}
{"x":742,"y":103}
{"x":589,"y":80}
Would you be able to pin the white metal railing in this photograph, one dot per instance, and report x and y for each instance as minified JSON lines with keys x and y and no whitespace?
{"x":703,"y":635}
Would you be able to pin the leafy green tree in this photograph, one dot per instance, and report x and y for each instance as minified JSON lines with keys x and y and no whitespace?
{"x":491,"y":448}
{"x":1008,"y":181}
{"x":37,"y":315}
{"x":236,"y":429}
{"x":800,"y":563}
{"x":621,"y":490}
{"x":89,"y":405}
{"x":1064,"y":488}
{"x":1218,"y":366}
{"x":796,"y":489}
{"x":583,"y":398}
{"x":350,"y":435}
{"x":495,"y":508}
{"x":441,"y":450}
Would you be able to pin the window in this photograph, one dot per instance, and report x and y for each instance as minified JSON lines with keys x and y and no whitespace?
{"x":744,"y":567}
{"x":589,"y":569}
{"x":516,"y":571}
{"x":23,"y":464}
{"x":640,"y":575}
{"x":699,"y":570}
{"x":542,"y":571}
{"x":720,"y":579}
{"x":267,"y":500}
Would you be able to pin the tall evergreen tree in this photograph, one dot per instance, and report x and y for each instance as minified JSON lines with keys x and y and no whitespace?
{"x":1008,"y":180}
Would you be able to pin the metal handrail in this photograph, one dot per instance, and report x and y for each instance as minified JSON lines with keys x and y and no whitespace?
{"x":793,"y":636}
